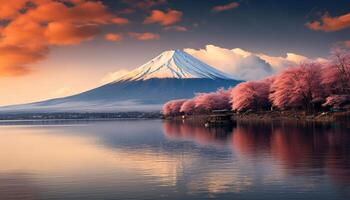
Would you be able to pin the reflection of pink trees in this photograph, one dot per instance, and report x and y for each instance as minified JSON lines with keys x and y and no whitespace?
{"x":251,"y":95}
{"x":297,"y":87}
{"x":173,"y":107}
{"x":246,"y":140}
{"x":338,"y":162}
{"x":295,"y":147}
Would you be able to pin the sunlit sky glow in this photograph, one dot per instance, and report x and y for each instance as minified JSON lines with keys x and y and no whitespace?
{"x":53,"y":48}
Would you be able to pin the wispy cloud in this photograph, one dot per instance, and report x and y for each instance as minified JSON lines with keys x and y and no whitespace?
{"x":63,"y":33}
{"x":175,"y":28}
{"x":114,"y":37}
{"x":225,"y":7}
{"x":329,"y":24}
{"x":164,"y":18}
{"x":144,"y":36}
{"x":120,"y":21}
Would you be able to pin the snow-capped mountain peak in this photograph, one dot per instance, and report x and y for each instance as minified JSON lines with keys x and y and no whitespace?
{"x":174,"y":64}
{"x":179,"y":76}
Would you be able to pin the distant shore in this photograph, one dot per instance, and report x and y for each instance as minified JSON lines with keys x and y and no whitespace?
{"x":4,"y":117}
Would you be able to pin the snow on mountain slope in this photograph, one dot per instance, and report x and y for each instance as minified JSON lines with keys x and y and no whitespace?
{"x":174,"y":64}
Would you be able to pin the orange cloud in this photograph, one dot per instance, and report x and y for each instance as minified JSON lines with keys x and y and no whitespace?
{"x":225,"y":7}
{"x":328,"y":23}
{"x":34,"y":25}
{"x":82,"y":12}
{"x":9,"y":9}
{"x":120,"y":21}
{"x":13,"y":71}
{"x":176,"y":28}
{"x":58,"y":33}
{"x":145,"y":36}
{"x":113,"y":37}
{"x":164,"y":18}
{"x":13,"y":57}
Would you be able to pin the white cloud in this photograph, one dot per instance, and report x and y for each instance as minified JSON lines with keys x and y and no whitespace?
{"x":246,"y":65}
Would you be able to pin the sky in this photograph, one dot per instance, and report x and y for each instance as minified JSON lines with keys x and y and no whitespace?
{"x":55,"y":48}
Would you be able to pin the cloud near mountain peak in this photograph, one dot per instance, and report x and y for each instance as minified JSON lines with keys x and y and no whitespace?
{"x":246,"y":65}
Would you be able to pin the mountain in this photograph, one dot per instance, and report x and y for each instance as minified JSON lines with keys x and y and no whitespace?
{"x":171,"y":75}
{"x":174,"y":64}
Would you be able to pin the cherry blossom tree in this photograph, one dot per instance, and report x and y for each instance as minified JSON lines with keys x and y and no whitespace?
{"x":188,"y":107}
{"x":172,"y":108}
{"x":298,"y":87}
{"x":251,"y":95}
{"x":336,"y":101}
{"x":207,"y":102}
{"x":336,"y":74}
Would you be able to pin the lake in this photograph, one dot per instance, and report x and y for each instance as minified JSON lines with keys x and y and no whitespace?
{"x":152,"y":159}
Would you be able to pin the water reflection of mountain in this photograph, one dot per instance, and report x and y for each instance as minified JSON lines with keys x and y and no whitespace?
{"x":308,"y":149}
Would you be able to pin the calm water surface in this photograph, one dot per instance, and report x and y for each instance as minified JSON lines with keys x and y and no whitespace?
{"x":163,"y":160}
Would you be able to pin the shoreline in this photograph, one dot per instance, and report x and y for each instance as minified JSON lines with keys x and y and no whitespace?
{"x":261,"y":116}
{"x":77,"y":116}
{"x":274,"y":116}
{"x":294,"y":116}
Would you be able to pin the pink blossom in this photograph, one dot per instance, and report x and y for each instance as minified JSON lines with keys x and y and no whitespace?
{"x":251,"y":95}
{"x":207,"y":102}
{"x":336,"y":101}
{"x":336,"y":74}
{"x":188,"y":107}
{"x":297,"y":87}
{"x":173,"y":107}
